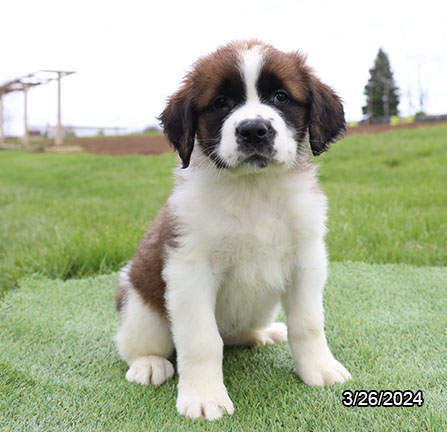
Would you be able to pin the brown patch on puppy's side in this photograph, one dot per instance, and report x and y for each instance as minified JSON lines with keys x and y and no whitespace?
{"x":120,"y":298}
{"x":147,"y":265}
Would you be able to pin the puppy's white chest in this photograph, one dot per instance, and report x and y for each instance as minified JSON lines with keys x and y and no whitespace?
{"x":254,"y":236}
{"x":254,"y":261}
{"x":250,"y":236}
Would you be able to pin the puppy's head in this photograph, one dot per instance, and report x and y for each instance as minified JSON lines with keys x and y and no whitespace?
{"x":250,"y":105}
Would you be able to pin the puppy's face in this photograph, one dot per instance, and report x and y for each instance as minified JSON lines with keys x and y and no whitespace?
{"x":249,"y":106}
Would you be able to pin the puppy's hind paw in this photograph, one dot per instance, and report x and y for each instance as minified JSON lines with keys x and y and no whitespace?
{"x":274,"y":333}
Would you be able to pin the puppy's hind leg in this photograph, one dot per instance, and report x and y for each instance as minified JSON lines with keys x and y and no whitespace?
{"x":274,"y":333}
{"x":144,"y":339}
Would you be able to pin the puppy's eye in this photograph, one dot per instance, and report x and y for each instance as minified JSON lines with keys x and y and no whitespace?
{"x":281,"y":98}
{"x":222,"y":104}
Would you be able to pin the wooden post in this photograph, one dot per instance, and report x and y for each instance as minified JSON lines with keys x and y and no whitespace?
{"x":25,"y":115}
{"x":59,"y":133}
{"x":59,"y":139}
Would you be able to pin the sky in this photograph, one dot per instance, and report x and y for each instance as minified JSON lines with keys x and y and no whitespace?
{"x":129,"y":56}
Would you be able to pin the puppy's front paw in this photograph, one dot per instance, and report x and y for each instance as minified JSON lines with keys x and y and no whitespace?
{"x":324,"y":370}
{"x":210,"y":404}
{"x":150,"y":370}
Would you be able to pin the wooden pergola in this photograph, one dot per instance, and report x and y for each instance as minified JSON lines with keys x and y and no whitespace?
{"x":23,"y":84}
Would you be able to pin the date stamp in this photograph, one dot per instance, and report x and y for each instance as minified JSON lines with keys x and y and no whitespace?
{"x":382,"y":398}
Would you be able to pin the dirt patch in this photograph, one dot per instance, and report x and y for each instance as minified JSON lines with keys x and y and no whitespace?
{"x":123,"y":145}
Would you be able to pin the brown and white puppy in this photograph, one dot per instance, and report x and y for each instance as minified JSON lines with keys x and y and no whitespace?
{"x":241,"y":233}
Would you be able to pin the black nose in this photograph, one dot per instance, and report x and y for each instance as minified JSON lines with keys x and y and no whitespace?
{"x":255,"y":131}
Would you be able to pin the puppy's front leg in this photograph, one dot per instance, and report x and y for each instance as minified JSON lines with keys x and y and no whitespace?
{"x":190,"y":297}
{"x":303,"y":304}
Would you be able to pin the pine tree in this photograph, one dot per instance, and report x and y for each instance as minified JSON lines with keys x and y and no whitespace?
{"x":382,"y":94}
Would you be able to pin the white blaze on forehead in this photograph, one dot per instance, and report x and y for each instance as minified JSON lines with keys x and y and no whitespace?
{"x":250,"y":68}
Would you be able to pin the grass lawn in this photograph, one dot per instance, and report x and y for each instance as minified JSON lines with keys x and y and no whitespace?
{"x":386,"y":323}
{"x":75,"y":215}
{"x":62,"y":215}
{"x":69,"y":221}
{"x":388,"y":197}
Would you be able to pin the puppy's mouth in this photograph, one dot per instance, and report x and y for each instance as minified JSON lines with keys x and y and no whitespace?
{"x":256,"y":160}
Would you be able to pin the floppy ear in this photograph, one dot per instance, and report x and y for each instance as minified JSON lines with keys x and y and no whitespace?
{"x":179,"y":122}
{"x":327,"y":118}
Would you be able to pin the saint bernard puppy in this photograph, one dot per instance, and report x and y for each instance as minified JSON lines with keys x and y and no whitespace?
{"x":242,"y":231}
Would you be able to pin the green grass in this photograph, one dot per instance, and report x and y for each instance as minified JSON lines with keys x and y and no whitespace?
{"x":59,"y":369}
{"x":68,"y":216}
{"x":75,"y":215}
{"x":388,"y":197}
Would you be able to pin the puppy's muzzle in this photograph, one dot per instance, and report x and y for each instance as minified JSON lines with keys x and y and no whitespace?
{"x":255,"y":140}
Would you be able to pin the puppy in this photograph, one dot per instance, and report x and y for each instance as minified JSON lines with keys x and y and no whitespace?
{"x":241,"y":233}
